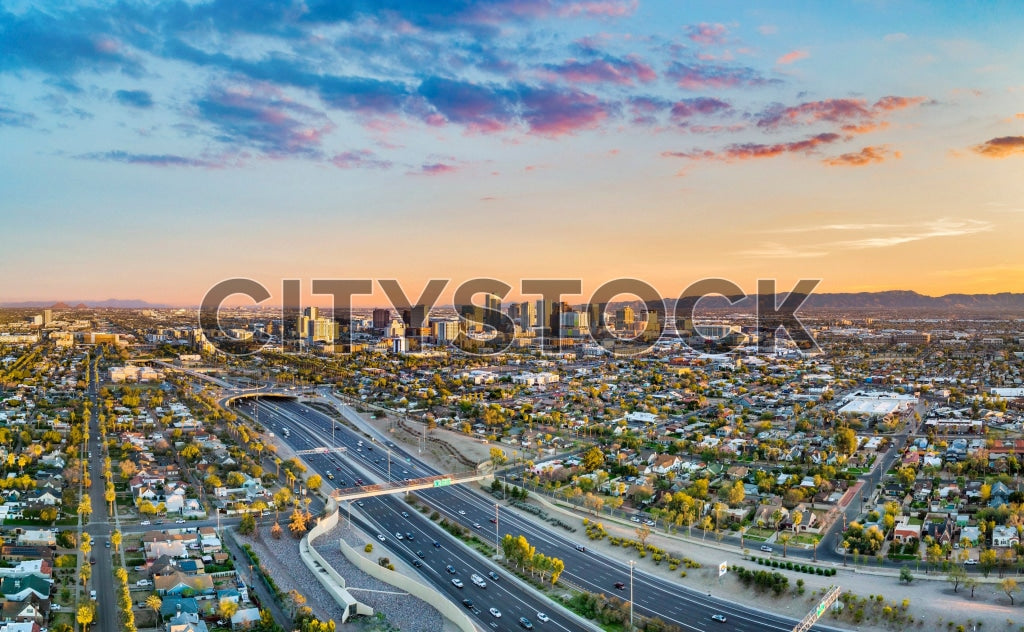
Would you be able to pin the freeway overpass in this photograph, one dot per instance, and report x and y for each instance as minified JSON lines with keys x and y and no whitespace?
{"x":395,"y":487}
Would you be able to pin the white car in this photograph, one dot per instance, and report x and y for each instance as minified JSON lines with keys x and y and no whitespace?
{"x":543,"y":617}
{"x":462,"y":513}
{"x":635,"y":519}
{"x":145,"y":523}
{"x":179,"y":521}
{"x":381,"y":537}
{"x":495,"y":613}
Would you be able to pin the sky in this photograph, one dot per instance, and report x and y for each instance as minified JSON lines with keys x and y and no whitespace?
{"x":153,"y":149}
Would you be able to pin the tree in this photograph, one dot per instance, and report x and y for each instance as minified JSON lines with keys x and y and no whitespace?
{"x":845,"y":440}
{"x":642,"y":533}
{"x":275,"y":531}
{"x":314,"y":482}
{"x":1009,"y":586}
{"x":48,"y":514}
{"x":227,"y":608}
{"x":85,"y":547}
{"x":971,"y":582}
{"x":498,"y":457}
{"x":247,"y":526}
{"x":85,"y":508}
{"x":297,"y":523}
{"x":736,"y":494}
{"x":784,"y":541}
{"x":906,"y":576}
{"x":84,"y":616}
{"x":956,"y":576}
{"x":154,"y":603}
{"x":987,"y":561}
{"x":593,"y":459}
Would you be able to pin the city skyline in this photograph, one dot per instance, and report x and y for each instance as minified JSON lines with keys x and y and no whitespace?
{"x":154,"y":151}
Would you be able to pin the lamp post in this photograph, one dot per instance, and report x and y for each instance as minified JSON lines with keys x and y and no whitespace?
{"x":632,"y":563}
{"x":497,"y":541}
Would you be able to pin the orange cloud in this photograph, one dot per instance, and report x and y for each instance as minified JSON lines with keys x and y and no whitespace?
{"x":866,"y":156}
{"x":1002,"y":147}
{"x":792,"y":56}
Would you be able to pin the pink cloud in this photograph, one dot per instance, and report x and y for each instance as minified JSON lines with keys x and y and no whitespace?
{"x":707,"y":34}
{"x":608,"y":9}
{"x":752,"y":151}
{"x":866,"y":156}
{"x":1002,"y":147}
{"x":615,"y":71}
{"x":792,"y":56}
{"x":437,"y":169}
{"x":359,"y":158}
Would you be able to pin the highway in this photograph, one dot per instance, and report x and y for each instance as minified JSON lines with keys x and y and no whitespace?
{"x":383,"y":516}
{"x":654,"y":596}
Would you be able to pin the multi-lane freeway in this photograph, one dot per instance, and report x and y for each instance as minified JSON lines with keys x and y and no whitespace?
{"x":653,"y":596}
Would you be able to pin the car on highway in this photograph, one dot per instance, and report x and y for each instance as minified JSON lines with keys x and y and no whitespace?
{"x":543,"y":617}
{"x":580,"y":547}
{"x":437,"y":544}
{"x":409,"y":536}
{"x":462,"y":512}
{"x":492,"y":575}
{"x":405,"y":514}
{"x":495,"y":613}
{"x":468,"y":603}
{"x":398,"y":535}
{"x":457,"y":583}
{"x":419,"y":554}
{"x":525,"y":623}
{"x":494,"y":521}
{"x":718,"y":617}
{"x":179,"y":521}
{"x":450,"y":569}
{"x":107,"y":544}
{"x":360,"y":503}
{"x":766,"y":548}
{"x":417,"y":563}
{"x":145,"y":523}
{"x":380,"y":536}
{"x":476,"y":525}
{"x":92,"y":560}
{"x":620,"y":585}
{"x":479,"y":581}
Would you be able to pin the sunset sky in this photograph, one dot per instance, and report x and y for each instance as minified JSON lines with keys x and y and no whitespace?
{"x":152,"y":149}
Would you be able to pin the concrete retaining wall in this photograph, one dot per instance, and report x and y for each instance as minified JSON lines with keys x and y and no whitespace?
{"x":329,"y":578}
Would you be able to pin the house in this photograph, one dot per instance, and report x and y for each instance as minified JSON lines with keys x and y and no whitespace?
{"x":186,"y":622}
{"x":662,"y":463}
{"x":169,"y":548}
{"x":32,"y":609}
{"x":37,"y":537}
{"x":771,"y":515}
{"x":21,"y":588}
{"x":1004,"y":536}
{"x":245,"y":618}
{"x":904,"y":532}
{"x":171,"y":606}
{"x":178,"y":584}
{"x":971,"y":534}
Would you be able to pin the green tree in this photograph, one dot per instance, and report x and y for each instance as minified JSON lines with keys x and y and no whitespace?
{"x":247,"y":526}
{"x":906,"y":576}
{"x":1009,"y":586}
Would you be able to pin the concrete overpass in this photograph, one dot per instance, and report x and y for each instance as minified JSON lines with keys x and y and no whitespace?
{"x":397,"y":487}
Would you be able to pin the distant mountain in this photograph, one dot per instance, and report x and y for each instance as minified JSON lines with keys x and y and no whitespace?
{"x":889,"y":300}
{"x":107,"y":304}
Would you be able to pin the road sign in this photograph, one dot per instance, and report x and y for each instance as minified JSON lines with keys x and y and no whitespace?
{"x":722,"y":568}
{"x":441,"y":482}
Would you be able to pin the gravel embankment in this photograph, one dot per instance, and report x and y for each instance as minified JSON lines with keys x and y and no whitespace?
{"x":401,"y":609}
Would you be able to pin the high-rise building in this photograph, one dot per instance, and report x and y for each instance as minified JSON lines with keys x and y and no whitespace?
{"x":625,"y":318}
{"x":47,"y":317}
{"x":381,"y":318}
{"x":312,"y":312}
{"x":324,"y":330}
{"x":445,"y":330}
{"x":493,"y":316}
{"x":527,"y":315}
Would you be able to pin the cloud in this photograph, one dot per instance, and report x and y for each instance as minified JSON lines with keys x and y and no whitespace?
{"x":767,"y":29}
{"x":38,"y":41}
{"x":772,"y":250}
{"x":134,"y":98}
{"x":895,"y":37}
{"x":152,"y":160}
{"x":359,"y":159}
{"x":866,"y":156}
{"x":13,"y":118}
{"x":263,"y":118}
{"x":706,"y":34}
{"x":943,"y":227}
{"x":436,"y":169}
{"x":623,"y":72}
{"x":687,"y":108}
{"x":553,"y":112}
{"x":751,"y":151}
{"x":792,"y":56}
{"x":855,"y":116}
{"x":479,"y":107}
{"x":715,"y":76}
{"x":1002,"y":147}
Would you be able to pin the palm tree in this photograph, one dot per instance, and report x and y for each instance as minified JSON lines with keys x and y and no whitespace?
{"x":154,"y":603}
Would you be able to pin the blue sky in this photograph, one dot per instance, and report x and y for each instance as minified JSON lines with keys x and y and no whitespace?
{"x":153,"y":149}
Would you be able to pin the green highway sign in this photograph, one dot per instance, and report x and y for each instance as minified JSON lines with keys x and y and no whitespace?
{"x":821,"y":608}
{"x":441,"y":482}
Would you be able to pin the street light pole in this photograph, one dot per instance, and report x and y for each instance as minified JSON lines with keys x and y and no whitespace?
{"x":497,"y":543}
{"x":632,"y":563}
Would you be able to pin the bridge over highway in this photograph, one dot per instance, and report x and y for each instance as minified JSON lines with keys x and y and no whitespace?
{"x":396,"y":487}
